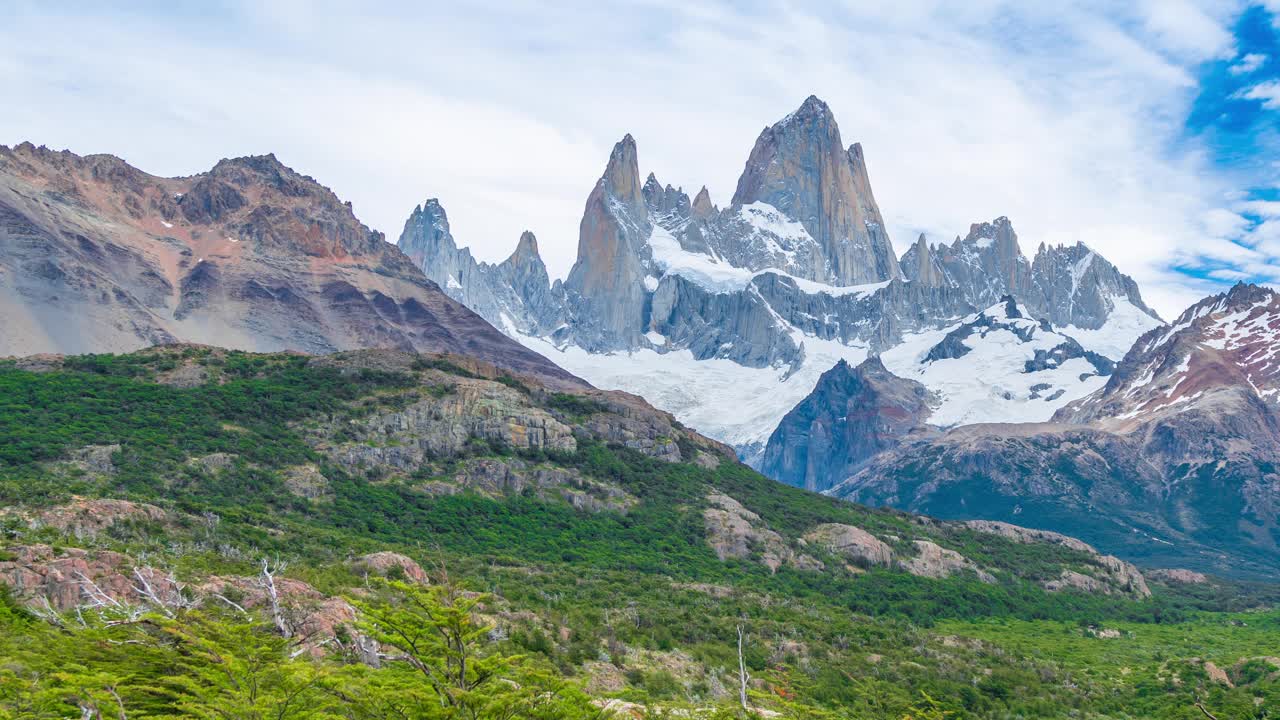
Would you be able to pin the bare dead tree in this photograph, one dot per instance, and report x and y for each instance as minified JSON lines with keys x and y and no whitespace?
{"x":1205,"y":710}
{"x":167,"y":597}
{"x":267,"y":580}
{"x":742,"y":671}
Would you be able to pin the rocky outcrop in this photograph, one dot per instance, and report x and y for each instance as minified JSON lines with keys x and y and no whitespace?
{"x":95,"y":459}
{"x":390,"y":565}
{"x":934,"y":561}
{"x":404,"y":439}
{"x":87,"y":518}
{"x":735,"y":532}
{"x":1021,"y":534}
{"x":1178,"y":575}
{"x":1107,"y":574}
{"x":515,"y":477}
{"x":852,"y":415}
{"x":307,"y":482}
{"x":71,"y":578}
{"x":97,"y":256}
{"x":852,"y":543}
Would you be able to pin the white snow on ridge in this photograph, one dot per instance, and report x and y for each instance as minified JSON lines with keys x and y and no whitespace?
{"x":732,"y":403}
{"x":1124,"y":325}
{"x":719,"y":277}
{"x":988,"y":384}
{"x":772,"y":223}
{"x":704,"y":270}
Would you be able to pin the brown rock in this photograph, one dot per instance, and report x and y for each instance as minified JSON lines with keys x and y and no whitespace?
{"x":385,"y":562}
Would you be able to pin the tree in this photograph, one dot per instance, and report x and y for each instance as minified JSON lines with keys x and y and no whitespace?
{"x":452,"y":674}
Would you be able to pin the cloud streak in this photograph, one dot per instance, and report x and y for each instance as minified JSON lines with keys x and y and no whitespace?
{"x":1070,"y":121}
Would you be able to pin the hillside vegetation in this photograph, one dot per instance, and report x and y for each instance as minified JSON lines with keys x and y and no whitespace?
{"x":194,"y":532}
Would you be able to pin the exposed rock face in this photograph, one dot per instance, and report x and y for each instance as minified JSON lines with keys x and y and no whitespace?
{"x":934,"y":561}
{"x":735,"y":532}
{"x":97,"y":256}
{"x":511,"y":476}
{"x":1180,"y":445}
{"x":1178,"y":575}
{"x":306,"y":481}
{"x":1111,"y":574}
{"x":852,"y":415}
{"x":607,"y":281}
{"x":442,"y":426}
{"x":800,"y":167}
{"x":386,"y":563}
{"x":851,"y":542}
{"x":88,"y":518}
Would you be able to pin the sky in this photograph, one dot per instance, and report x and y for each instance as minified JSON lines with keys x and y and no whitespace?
{"x":1146,"y":129}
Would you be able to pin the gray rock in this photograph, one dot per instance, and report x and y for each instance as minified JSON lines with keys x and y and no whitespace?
{"x":851,"y":416}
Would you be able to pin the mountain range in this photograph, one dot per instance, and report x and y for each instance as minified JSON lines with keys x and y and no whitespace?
{"x":728,"y":316}
{"x":962,"y":379}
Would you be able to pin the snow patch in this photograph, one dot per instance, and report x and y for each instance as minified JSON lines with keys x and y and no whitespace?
{"x":989,"y":384}
{"x":1126,"y":323}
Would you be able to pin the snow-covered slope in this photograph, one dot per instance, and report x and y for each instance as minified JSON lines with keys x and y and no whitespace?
{"x":999,"y":365}
{"x":741,"y":405}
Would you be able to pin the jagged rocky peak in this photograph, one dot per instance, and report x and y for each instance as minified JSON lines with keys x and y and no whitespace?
{"x":429,"y":243}
{"x":665,"y":201}
{"x":613,"y":250}
{"x":1081,"y":288}
{"x":851,"y":415}
{"x":702,"y":207}
{"x":526,"y":250}
{"x":920,"y":264}
{"x":800,"y":167}
{"x":621,"y":178}
{"x":1000,"y":243}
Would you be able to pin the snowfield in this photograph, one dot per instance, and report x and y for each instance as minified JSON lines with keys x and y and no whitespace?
{"x":741,"y":405}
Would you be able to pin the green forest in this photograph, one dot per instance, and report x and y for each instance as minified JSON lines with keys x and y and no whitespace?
{"x":519,"y":603}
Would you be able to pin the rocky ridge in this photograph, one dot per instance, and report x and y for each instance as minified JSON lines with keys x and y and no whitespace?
{"x":98,"y":256}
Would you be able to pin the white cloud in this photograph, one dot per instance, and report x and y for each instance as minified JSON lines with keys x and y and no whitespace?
{"x":1268,"y":92}
{"x":1060,"y":117}
{"x":1247,"y":64}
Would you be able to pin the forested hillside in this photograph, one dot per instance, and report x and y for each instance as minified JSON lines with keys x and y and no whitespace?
{"x":193,"y":532}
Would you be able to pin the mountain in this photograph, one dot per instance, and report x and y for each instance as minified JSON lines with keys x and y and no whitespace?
{"x":728,"y":316}
{"x":1173,"y":460}
{"x":1000,"y":361}
{"x":852,"y":415}
{"x":581,"y":549}
{"x":98,"y":256}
